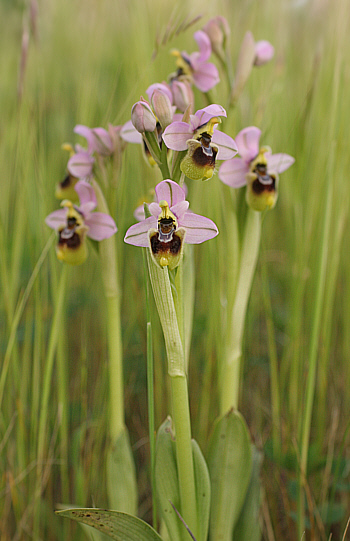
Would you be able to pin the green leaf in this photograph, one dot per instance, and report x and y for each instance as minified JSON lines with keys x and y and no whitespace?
{"x":167,"y":485}
{"x":247,"y":527}
{"x":230,"y":466}
{"x":121,"y":476}
{"x":202,"y":481}
{"x":115,"y":524}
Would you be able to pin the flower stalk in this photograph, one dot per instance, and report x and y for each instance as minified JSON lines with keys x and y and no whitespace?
{"x":180,"y":403}
{"x":109,"y":269}
{"x":232,"y":364}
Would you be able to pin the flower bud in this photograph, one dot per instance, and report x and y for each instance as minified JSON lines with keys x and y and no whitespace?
{"x":182,"y":94}
{"x":218,"y":31}
{"x":142,"y":117}
{"x":264,"y":52}
{"x":162,"y":108}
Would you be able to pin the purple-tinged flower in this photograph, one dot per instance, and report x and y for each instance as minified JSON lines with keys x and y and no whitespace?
{"x":203,"y":142}
{"x":99,"y":140}
{"x":264,"y":52}
{"x":218,"y":31}
{"x":74,"y":222}
{"x":195,"y":67}
{"x":169,"y":226}
{"x":258,"y":169}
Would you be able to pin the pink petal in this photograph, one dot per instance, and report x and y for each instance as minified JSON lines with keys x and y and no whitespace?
{"x":101,"y":226}
{"x":176,"y":135}
{"x":233,"y":172}
{"x":154,"y":209}
{"x":103,"y":142}
{"x":130,"y":134}
{"x":85,"y":192}
{"x":226,"y":145}
{"x":57,"y":219}
{"x":86,"y":132}
{"x":279,"y":162}
{"x":206,"y":76}
{"x":137,"y":234}
{"x":264,"y":51}
{"x":139,"y":213}
{"x":248,"y":143}
{"x":204,"y":46}
{"x":170,"y":191}
{"x":198,"y":228}
{"x":80,"y":165}
{"x":204,"y":115}
{"x":180,"y":208}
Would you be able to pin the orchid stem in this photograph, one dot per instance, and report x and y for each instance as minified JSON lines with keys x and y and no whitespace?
{"x":176,"y":368}
{"x":150,"y":396}
{"x":52,"y":347}
{"x":109,"y":269}
{"x":249,"y":255}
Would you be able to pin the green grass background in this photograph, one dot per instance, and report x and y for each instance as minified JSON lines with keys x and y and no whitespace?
{"x":87,"y":63}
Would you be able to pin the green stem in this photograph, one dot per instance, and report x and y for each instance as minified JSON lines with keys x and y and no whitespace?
{"x":163,"y":166}
{"x":150,"y":396}
{"x":46,"y":389}
{"x":274,"y":383}
{"x":249,"y":255}
{"x":184,"y":458}
{"x":176,"y":369}
{"x":109,"y":270}
{"x":116,"y":395}
{"x":311,"y":377}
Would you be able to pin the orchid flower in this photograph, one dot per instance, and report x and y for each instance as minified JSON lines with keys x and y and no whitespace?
{"x":99,"y":140}
{"x":80,"y":165}
{"x":203,"y":142}
{"x":195,"y":67}
{"x":169,"y":226}
{"x":74,"y":222}
{"x":257,"y":168}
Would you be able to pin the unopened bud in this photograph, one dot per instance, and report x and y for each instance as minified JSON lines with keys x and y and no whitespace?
{"x":264,"y":52}
{"x":183,"y":95}
{"x":162,"y":108}
{"x":142,"y":117}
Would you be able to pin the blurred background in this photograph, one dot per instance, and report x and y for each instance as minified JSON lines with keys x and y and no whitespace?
{"x":68,"y":62}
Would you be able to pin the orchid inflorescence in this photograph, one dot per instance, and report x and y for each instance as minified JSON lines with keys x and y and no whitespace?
{"x":192,"y":139}
{"x":185,"y":144}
